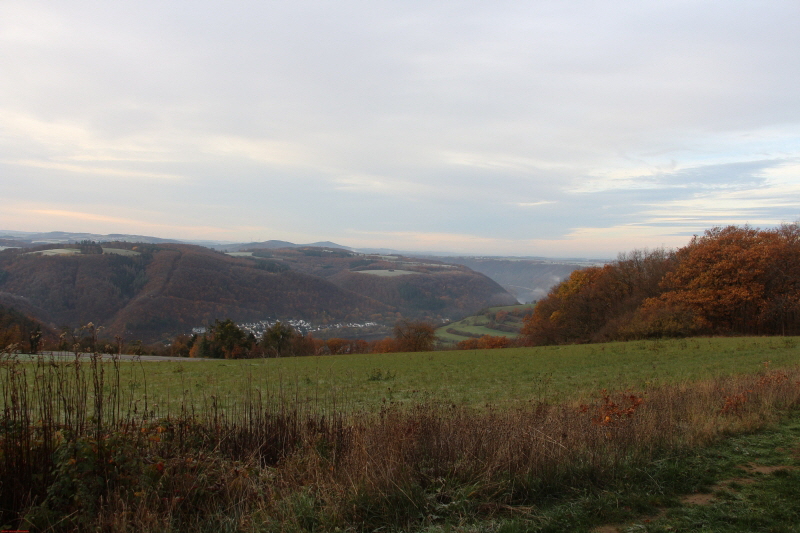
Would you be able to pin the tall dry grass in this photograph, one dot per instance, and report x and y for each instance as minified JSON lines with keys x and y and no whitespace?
{"x":80,"y":452}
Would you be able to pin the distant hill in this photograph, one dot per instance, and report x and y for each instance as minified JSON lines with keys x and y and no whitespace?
{"x":272,"y":245}
{"x":26,"y":238}
{"x":527,"y":279}
{"x":154,"y":291}
{"x":411,"y":285}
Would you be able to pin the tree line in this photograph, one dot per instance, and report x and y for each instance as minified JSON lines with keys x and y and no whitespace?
{"x":734,"y":280}
{"x":225,"y":340}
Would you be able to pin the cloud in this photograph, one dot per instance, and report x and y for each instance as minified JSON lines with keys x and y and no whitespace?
{"x":271,"y":152}
{"x":529,"y":126}
{"x":534,"y":204}
{"x":91,"y":170}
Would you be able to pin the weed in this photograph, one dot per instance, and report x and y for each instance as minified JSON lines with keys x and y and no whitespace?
{"x":376,"y":374}
{"x":82,"y":449}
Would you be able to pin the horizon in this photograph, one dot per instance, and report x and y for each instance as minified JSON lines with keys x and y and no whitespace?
{"x":504,"y":129}
{"x":206,"y":243}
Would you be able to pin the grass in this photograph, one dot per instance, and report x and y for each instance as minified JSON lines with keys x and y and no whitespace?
{"x":120,"y":251}
{"x":473,"y":378}
{"x":708,"y":489}
{"x":82,"y":448}
{"x":473,"y":325}
{"x":744,"y":499}
{"x":511,"y":307}
{"x":481,"y":325}
{"x":57,"y":251}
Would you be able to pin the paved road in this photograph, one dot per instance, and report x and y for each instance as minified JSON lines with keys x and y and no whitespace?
{"x":123,"y":357}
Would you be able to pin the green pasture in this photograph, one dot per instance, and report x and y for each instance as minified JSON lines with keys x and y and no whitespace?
{"x":56,"y":251}
{"x":120,"y":251}
{"x":443,"y":335}
{"x":511,"y":307}
{"x":498,"y":377}
{"x":476,"y":325}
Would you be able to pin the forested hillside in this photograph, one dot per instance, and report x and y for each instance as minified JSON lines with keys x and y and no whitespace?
{"x":412,"y":286}
{"x":154,"y":292}
{"x":732,"y":280}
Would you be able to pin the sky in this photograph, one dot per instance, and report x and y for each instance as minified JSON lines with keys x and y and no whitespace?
{"x":561,"y":129}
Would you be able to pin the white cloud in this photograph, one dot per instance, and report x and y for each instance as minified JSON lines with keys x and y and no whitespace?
{"x":534,"y":204}
{"x":105,"y":172}
{"x":504,"y":126}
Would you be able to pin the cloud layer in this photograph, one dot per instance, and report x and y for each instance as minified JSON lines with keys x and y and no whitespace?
{"x":543,"y":128}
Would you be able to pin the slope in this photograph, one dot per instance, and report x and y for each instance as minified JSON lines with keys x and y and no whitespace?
{"x":167,"y":289}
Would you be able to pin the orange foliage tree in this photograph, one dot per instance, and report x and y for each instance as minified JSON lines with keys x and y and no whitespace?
{"x":735,"y":279}
{"x":738,"y":280}
{"x":484,"y":342}
{"x":414,"y":336}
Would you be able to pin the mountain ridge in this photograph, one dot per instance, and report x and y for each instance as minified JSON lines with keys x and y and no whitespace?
{"x":155,"y":291}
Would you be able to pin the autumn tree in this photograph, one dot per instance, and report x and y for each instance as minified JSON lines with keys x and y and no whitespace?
{"x":385,"y":345}
{"x":484,"y":342}
{"x":596,"y":303}
{"x":277,"y":340}
{"x":223,"y":339}
{"x":576,"y":309}
{"x":414,"y":336}
{"x":738,"y":280}
{"x":338,"y":346}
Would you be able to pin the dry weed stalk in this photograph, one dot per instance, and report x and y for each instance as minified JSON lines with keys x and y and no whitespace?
{"x":270,"y":460}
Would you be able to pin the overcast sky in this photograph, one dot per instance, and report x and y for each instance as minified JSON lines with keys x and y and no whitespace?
{"x":523,"y":128}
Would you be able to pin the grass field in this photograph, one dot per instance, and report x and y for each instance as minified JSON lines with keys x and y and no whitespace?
{"x":57,"y":251}
{"x":474,"y":325}
{"x":511,"y":307}
{"x":515,"y":440}
{"x":120,"y":251}
{"x":480,"y":324}
{"x":473,"y":378}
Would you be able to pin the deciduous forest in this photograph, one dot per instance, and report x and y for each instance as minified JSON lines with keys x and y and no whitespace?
{"x":735,"y":280}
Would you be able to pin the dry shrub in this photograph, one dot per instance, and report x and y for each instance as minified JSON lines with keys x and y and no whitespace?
{"x":270,"y":462}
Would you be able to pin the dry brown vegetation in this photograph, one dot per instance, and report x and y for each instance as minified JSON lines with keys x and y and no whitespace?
{"x":81,"y":452}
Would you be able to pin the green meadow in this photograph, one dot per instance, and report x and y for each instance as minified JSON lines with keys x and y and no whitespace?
{"x":473,"y":378}
{"x":514,"y":440}
{"x":480,"y":324}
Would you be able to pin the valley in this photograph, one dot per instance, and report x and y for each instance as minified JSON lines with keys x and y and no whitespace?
{"x":154,"y":292}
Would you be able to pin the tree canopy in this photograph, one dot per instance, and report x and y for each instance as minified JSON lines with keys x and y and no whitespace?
{"x":731,"y":280}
